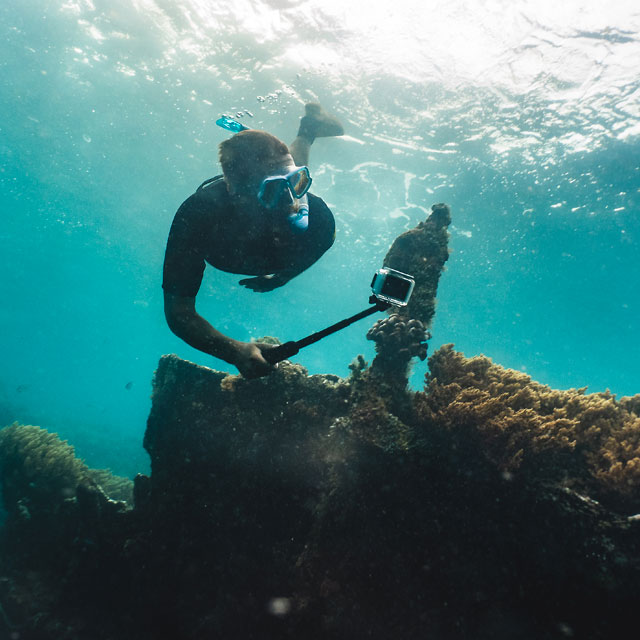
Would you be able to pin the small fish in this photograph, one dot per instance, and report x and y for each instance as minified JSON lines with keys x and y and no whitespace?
{"x":128,"y":385}
{"x":21,"y":388}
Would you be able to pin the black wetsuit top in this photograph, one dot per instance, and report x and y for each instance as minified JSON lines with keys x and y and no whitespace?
{"x":206,"y":228}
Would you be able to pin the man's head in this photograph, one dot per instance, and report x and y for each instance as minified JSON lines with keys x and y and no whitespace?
{"x":264,"y":181}
{"x":247,"y":157}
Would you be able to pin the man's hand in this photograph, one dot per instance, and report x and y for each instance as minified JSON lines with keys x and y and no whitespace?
{"x":262,"y":284}
{"x":250,"y":362}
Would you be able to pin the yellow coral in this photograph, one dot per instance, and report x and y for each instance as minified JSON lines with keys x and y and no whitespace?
{"x":519,"y":421}
{"x":229,"y":383}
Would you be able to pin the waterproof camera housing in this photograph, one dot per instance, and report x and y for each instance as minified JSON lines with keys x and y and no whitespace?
{"x":392,"y":287}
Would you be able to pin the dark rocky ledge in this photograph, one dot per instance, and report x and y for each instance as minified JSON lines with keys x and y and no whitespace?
{"x":302,"y":507}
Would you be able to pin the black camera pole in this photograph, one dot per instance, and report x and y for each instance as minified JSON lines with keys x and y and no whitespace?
{"x":288,"y":349}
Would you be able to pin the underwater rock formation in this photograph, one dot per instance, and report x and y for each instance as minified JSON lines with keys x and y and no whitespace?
{"x":422,"y":253}
{"x":299,"y":506}
{"x":487,"y":506}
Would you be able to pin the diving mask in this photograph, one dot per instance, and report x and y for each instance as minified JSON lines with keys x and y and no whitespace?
{"x":274,"y":189}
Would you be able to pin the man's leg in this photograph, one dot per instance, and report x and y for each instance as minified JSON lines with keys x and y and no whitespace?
{"x":316,"y":123}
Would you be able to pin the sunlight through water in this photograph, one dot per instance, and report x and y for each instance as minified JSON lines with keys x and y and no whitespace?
{"x":523,"y":116}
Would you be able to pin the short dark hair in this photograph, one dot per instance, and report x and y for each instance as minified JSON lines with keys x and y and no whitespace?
{"x":240,"y":154}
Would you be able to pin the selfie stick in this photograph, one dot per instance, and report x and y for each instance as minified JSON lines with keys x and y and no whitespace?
{"x":288,"y":349}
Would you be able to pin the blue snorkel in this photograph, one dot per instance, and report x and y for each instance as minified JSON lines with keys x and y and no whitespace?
{"x":298,"y":221}
{"x":231,"y":124}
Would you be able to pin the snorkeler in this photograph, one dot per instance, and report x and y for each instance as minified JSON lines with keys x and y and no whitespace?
{"x":259,"y":219}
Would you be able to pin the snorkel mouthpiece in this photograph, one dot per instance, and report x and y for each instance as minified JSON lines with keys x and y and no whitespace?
{"x":299,"y":221}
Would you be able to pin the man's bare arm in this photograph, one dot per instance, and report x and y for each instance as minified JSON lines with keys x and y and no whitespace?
{"x":187,"y":324}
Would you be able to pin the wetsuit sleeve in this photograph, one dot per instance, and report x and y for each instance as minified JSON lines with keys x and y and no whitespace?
{"x":184,"y":261}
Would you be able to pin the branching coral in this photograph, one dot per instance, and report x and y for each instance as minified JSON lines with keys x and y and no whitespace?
{"x":631,"y":403}
{"x":357,"y":367}
{"x":589,"y":439}
{"x":616,"y":463}
{"x":37,"y":469}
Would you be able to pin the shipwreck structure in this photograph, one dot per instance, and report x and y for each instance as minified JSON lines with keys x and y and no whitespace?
{"x":317,"y":507}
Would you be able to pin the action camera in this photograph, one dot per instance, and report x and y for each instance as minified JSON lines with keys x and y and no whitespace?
{"x":392,"y":287}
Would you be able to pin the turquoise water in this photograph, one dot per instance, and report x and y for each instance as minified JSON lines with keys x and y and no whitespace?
{"x":523,"y":116}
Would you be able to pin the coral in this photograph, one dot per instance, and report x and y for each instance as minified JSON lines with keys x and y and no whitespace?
{"x":357,"y":367}
{"x":616,"y":463}
{"x":38,"y":470}
{"x":397,"y":340}
{"x":588,"y":440}
{"x":631,"y":404}
{"x":115,"y":487}
{"x":371,"y":422}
